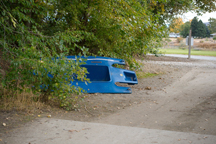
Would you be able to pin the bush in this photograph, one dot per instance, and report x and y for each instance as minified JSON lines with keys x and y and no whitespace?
{"x":179,"y":39}
{"x":182,"y":45}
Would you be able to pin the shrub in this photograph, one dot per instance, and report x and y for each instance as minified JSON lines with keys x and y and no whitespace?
{"x":179,"y":39}
{"x":182,"y":45}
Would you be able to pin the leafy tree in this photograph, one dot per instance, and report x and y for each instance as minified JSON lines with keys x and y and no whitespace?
{"x":207,"y":31}
{"x":201,"y":29}
{"x":194,"y":27}
{"x":36,"y":35}
{"x":32,"y":56}
{"x":212,"y":25}
{"x":185,"y":28}
{"x":175,"y":25}
{"x":170,"y":8}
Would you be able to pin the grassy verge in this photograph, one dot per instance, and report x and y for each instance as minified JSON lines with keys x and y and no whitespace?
{"x":185,"y":52}
{"x":141,"y":75}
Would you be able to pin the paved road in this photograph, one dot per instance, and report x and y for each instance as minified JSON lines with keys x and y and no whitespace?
{"x":193,"y":57}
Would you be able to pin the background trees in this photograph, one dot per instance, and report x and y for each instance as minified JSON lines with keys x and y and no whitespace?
{"x":199,"y":29}
{"x":194,"y":27}
{"x":175,"y":25}
{"x":184,"y":29}
{"x":212,"y":25}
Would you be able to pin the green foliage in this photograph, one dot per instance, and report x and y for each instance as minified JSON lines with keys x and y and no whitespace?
{"x":169,"y":9}
{"x":201,"y":29}
{"x":28,"y":51}
{"x":207,"y":31}
{"x":194,"y":27}
{"x":212,"y":25}
{"x":35,"y":37}
{"x":184,"y":30}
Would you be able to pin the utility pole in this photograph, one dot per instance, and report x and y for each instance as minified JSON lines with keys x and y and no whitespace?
{"x":189,"y":43}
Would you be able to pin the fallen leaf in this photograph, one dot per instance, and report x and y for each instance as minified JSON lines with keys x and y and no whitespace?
{"x":39,"y":115}
{"x":49,"y":116}
{"x":147,"y":88}
{"x":73,"y":131}
{"x":86,"y":129}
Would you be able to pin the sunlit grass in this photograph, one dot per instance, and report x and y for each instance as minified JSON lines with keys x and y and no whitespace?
{"x":141,"y":75}
{"x":185,"y":52}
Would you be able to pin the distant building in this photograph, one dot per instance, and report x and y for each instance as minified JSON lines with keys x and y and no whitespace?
{"x":174,"y":35}
{"x":213,"y":35}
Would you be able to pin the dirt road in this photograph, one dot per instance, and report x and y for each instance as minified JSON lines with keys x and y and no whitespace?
{"x":183,"y":100}
{"x":187,"y":105}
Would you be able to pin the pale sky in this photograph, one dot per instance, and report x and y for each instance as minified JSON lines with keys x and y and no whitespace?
{"x":188,"y":16}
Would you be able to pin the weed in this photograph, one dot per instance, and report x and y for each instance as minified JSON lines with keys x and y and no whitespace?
{"x":182,"y":45}
{"x":19,"y":101}
{"x":179,"y":39}
{"x":141,"y":75}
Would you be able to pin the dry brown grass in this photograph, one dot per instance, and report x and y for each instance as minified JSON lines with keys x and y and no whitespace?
{"x":13,"y":100}
{"x":19,"y":101}
{"x":205,"y":43}
{"x":209,"y":46}
{"x":179,"y":39}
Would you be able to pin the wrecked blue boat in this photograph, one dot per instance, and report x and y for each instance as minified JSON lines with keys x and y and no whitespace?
{"x":103,"y":76}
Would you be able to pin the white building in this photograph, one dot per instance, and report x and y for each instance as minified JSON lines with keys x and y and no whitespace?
{"x":174,"y":35}
{"x":213,"y":35}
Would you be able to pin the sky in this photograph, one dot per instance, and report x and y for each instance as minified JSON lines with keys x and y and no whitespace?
{"x":188,"y":16}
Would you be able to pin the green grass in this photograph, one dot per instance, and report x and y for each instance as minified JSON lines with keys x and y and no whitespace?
{"x":185,"y":52}
{"x":141,"y":75}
